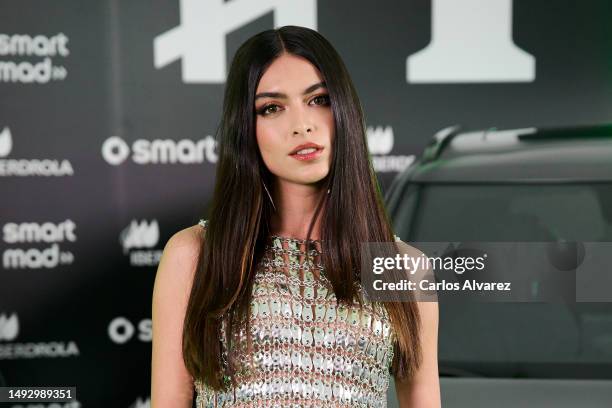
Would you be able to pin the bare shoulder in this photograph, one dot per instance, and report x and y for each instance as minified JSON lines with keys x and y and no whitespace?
{"x":185,"y":242}
{"x":419,"y":257}
{"x":188,"y":239}
{"x":421,"y":270}
{"x":180,"y":253}
{"x":408,"y":249}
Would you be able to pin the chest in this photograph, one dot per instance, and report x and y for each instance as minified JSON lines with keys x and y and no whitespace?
{"x":297,"y":326}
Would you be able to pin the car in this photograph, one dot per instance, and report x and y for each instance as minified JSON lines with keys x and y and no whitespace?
{"x":531,"y":184}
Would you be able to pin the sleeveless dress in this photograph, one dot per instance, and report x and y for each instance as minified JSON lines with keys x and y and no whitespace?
{"x":308,"y":351}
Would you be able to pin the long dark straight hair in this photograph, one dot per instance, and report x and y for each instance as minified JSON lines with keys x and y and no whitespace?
{"x":352,"y":213}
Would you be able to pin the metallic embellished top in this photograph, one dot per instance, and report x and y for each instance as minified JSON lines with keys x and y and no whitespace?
{"x":307,"y":349}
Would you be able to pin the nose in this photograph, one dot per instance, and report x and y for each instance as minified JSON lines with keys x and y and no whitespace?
{"x":302,"y":124}
{"x":302,"y":129}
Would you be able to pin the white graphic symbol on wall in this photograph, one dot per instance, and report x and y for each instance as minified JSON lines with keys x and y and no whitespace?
{"x":139,"y":235}
{"x":138,"y":239}
{"x":380,"y":140}
{"x":24,"y":251}
{"x":200,"y":38}
{"x":141,"y":403}
{"x":380,"y":144}
{"x":9,"y":327}
{"x":29,"y":167}
{"x":115,"y":151}
{"x":6,"y":142}
{"x":471,"y":41}
{"x":121,"y":330}
{"x":29,"y":70}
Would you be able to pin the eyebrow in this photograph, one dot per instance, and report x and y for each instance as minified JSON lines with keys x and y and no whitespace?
{"x":284,"y":96}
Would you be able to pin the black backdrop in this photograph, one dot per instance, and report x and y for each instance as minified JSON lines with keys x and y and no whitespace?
{"x":107,"y":115}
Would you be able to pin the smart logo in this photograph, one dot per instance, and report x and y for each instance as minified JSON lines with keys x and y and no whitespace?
{"x":32,"y":167}
{"x":121,"y":330}
{"x":115,"y":151}
{"x":380,"y":144}
{"x":27,"y":72}
{"x":138,"y":239}
{"x":32,"y":232}
{"x":9,"y":330}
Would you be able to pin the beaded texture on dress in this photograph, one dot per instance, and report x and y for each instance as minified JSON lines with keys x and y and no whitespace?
{"x":307,"y":350}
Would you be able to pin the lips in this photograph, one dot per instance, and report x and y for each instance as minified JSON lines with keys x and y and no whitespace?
{"x":306,"y":151}
{"x":305,"y":146}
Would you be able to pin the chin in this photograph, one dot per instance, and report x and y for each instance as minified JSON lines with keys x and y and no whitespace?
{"x":311,"y":177}
{"x":315,"y":178}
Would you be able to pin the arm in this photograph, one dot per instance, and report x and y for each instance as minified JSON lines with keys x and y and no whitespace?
{"x":423,"y":390}
{"x":171,"y":383}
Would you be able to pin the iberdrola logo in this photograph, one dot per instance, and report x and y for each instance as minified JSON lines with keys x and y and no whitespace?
{"x":9,"y":327}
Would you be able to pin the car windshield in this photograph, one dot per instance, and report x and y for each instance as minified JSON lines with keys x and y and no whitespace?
{"x":516,"y":339}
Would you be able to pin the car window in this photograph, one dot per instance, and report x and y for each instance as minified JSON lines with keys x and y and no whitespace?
{"x":513,"y":213}
{"x":517,"y":339}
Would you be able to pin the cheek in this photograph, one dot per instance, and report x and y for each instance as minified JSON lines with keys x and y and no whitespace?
{"x":269,"y":142}
{"x":327,"y":120}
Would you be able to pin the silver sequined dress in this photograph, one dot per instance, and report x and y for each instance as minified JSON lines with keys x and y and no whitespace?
{"x":308,"y":351}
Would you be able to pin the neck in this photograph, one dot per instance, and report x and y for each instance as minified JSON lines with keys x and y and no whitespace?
{"x":295,"y":207}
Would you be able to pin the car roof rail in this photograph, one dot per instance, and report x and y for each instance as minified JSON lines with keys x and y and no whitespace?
{"x":439,"y":141}
{"x":573,"y":132}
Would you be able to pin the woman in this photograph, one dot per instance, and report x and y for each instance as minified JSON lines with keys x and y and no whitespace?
{"x":261,"y":304}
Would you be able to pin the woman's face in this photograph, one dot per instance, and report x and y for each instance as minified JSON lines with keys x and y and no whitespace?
{"x":294,"y":121}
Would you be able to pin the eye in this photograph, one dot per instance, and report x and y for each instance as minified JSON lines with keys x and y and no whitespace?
{"x":323,"y":99}
{"x":265,"y":110}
